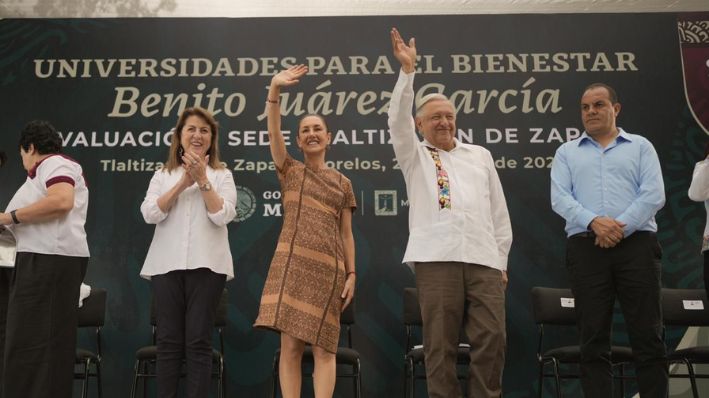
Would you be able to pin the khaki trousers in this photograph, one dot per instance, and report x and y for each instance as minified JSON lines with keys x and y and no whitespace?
{"x":451,"y":295}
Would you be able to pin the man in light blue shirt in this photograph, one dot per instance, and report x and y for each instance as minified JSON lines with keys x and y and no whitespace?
{"x":607,"y":185}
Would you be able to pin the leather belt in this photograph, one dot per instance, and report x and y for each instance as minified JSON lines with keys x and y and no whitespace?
{"x":586,"y":234}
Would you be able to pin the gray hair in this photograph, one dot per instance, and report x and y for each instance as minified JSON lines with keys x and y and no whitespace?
{"x":428,"y":98}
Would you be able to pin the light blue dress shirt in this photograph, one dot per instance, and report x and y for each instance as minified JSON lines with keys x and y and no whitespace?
{"x":622,"y":181}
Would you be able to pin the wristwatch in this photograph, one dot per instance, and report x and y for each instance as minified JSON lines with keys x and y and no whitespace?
{"x":205,"y":187}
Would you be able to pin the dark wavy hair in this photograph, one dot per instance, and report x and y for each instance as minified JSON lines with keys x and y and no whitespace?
{"x":42,"y":135}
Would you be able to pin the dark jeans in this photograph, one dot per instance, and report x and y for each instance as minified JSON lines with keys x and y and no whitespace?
{"x":40,"y":341}
{"x":631,"y":272}
{"x":185,"y":307}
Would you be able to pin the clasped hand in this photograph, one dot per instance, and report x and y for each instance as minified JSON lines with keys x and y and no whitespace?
{"x":609,"y":232}
{"x":195,"y":168}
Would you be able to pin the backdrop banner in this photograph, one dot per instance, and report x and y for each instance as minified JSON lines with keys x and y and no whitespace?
{"x":114,"y":89}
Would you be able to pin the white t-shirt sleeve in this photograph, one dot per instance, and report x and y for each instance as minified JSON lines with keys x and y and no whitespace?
{"x":55,"y":169}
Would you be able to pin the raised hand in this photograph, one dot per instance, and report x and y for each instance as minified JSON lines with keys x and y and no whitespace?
{"x":289,"y":76}
{"x":406,"y":54}
{"x":284,"y":78}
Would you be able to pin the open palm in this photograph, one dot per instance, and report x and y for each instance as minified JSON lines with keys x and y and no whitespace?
{"x":289,"y":76}
{"x":405,"y":53}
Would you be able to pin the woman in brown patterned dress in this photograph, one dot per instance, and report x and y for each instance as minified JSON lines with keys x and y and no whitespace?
{"x":312,"y":278}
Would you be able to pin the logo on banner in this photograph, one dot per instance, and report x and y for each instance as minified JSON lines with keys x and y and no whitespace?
{"x":694,"y":39}
{"x":245,"y":203}
{"x":385,"y":203}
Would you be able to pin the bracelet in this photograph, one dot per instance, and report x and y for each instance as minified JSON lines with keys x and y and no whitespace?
{"x":270,"y":101}
{"x":14,"y":217}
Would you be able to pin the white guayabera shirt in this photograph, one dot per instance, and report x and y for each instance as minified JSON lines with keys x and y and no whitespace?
{"x":476,"y":228}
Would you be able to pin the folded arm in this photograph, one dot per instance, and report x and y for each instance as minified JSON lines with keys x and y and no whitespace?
{"x":58,"y":203}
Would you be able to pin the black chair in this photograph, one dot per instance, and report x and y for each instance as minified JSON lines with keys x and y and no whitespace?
{"x":556,"y":307}
{"x":414,"y":365}
{"x":92,"y":314}
{"x":684,"y":308}
{"x":145,"y":357}
{"x":345,"y":356}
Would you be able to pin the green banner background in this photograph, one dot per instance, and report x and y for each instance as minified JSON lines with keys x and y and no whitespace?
{"x":545,"y":109}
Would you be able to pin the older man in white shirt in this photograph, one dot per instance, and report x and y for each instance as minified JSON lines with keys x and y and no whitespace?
{"x":459,"y":236}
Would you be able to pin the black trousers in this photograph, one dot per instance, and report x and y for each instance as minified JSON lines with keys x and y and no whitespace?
{"x":706,"y":272}
{"x":185,"y":307}
{"x":40,"y":341}
{"x":631,"y":273}
{"x":5,"y":281}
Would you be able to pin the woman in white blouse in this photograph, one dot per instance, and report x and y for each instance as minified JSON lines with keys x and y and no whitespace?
{"x":699,"y":192}
{"x":191,"y":201}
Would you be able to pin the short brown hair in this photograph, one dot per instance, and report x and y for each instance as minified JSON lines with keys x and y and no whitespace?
{"x":174,"y":158}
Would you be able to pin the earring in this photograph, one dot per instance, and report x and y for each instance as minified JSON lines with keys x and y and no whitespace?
{"x":180,"y":151}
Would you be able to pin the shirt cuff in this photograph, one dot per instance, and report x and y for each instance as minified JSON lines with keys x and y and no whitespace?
{"x":585,"y":218}
{"x":629,"y":227}
{"x":503,"y":263}
{"x":219,"y":218}
{"x":406,"y":77}
{"x":152,"y":213}
{"x":58,"y":179}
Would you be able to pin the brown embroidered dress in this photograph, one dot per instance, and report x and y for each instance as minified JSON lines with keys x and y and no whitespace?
{"x":301,"y":296}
